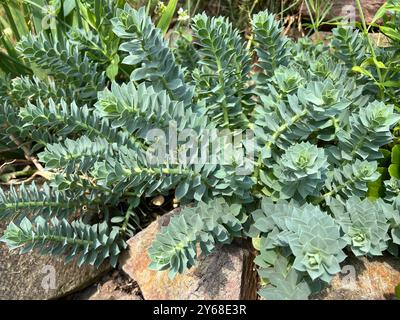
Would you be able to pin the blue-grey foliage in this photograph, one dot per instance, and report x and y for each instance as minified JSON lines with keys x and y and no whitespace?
{"x":319,"y":132}
{"x":206,"y":225}
{"x":364,"y":224}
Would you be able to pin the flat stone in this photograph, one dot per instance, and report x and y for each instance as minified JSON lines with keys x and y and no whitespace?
{"x":227,"y":273}
{"x":364,"y":279}
{"x":36,"y":277}
{"x":342,"y":8}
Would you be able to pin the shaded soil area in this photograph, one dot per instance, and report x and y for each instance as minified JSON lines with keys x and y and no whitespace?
{"x":114,"y":286}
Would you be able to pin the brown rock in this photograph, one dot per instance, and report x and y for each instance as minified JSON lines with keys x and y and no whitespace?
{"x":342,"y":8}
{"x":117,"y":286}
{"x":226,"y":274}
{"x":110,"y":291}
{"x":380,"y":39}
{"x":30,"y":276}
{"x":365,"y":279}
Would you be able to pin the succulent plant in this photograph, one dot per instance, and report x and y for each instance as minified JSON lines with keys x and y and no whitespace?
{"x":312,"y":235}
{"x":285,"y":283}
{"x":392,"y":188}
{"x":351,"y":179}
{"x":315,"y":241}
{"x":364,"y":223}
{"x":319,"y":134}
{"x":175,"y":247}
{"x":392,"y":213}
{"x":301,"y":170}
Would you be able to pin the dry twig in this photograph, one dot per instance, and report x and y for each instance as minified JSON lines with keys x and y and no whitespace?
{"x":27,"y":153}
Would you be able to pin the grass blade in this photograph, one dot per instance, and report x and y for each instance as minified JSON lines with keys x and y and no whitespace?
{"x":167,"y":16}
